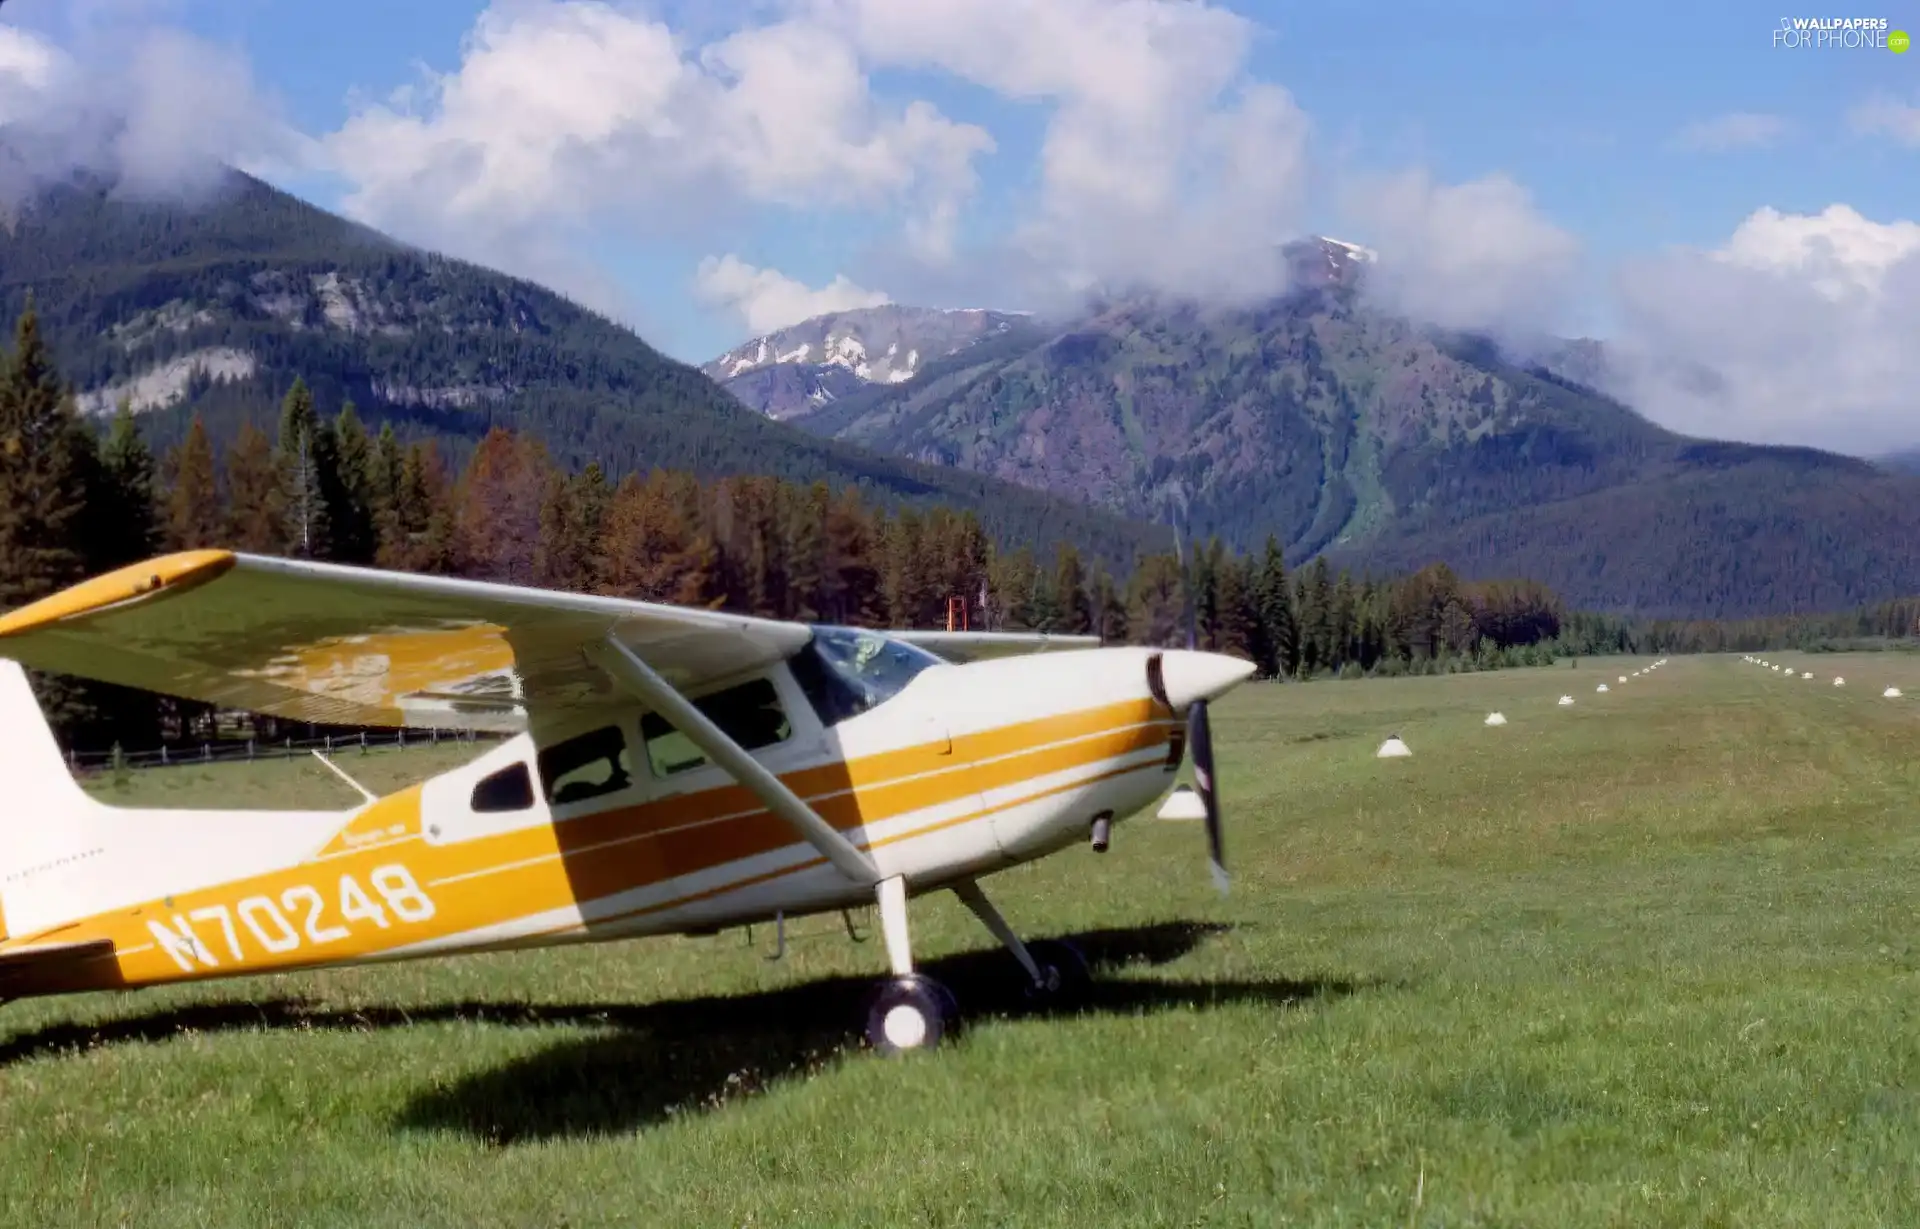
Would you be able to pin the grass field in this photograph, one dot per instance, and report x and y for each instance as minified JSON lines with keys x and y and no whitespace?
{"x":1649,"y":960}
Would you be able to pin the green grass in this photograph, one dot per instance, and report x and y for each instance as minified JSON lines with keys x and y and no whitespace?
{"x":1646,"y":961}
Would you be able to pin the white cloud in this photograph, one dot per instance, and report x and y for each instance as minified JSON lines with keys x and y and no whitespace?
{"x":767,"y":299}
{"x":583,"y":112}
{"x":1475,"y":255}
{"x":153,"y":108}
{"x":1162,"y":164}
{"x":1885,"y":115}
{"x":1797,"y":330}
{"x":1734,"y":130}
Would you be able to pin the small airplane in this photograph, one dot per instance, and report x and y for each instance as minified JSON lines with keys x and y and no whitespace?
{"x":668,"y":771}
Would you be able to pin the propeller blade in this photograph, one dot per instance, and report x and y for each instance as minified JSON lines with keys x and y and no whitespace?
{"x":1200,"y":741}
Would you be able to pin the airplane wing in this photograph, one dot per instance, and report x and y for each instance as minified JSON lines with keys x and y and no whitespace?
{"x":975,"y":646}
{"x":354,"y":646}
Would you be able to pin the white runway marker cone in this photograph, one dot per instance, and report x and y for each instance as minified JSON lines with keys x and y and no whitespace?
{"x":1565,"y":701}
{"x":1393,"y":748}
{"x":1601,"y":687}
{"x":1183,"y":804}
{"x":1891,"y":693}
{"x":1496,"y":719}
{"x":1839,"y":682}
{"x":1807,"y":674}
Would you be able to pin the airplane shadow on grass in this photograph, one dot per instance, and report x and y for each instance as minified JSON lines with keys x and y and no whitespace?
{"x":656,"y":1061}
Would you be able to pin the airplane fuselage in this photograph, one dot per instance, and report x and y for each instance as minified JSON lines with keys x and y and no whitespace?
{"x":611,"y":827}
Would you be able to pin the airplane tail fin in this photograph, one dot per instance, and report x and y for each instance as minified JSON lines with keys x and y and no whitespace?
{"x":46,"y":810}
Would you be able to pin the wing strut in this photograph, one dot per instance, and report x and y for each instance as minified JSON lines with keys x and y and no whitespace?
{"x":626,"y":669}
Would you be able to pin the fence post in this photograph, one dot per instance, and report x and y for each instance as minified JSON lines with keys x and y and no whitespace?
{"x":206,"y":753}
{"x":163,"y":753}
{"x":249,"y":750}
{"x":401,"y":739}
{"x":289,"y":746}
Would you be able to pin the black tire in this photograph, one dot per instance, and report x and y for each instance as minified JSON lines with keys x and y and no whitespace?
{"x":909,"y":1013}
{"x":1064,"y":971}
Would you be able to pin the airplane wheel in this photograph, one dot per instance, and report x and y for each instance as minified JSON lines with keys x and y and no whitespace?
{"x":1064,"y":970}
{"x":910,"y":1013}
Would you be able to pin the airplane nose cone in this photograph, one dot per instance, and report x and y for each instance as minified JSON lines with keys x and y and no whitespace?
{"x":1190,"y":675}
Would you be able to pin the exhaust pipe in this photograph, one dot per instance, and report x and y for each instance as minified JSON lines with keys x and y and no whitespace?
{"x":1102,"y":831}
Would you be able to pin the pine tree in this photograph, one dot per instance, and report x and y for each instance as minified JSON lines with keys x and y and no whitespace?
{"x":850,"y":575}
{"x":348,"y":485}
{"x":561,"y":557}
{"x":1156,"y":598}
{"x":904,"y":570}
{"x":1344,"y":629}
{"x":302,"y":505}
{"x":128,"y":528}
{"x":1313,"y":606}
{"x":1275,"y":638}
{"x":1012,"y":587}
{"x":590,"y":498}
{"x":500,"y":503}
{"x":1233,"y":606}
{"x":1072,"y":612}
{"x":122,"y":509}
{"x":253,"y":495}
{"x":1110,"y":609}
{"x":43,"y":492}
{"x":48,"y":469}
{"x":806,"y":551}
{"x":386,"y":473}
{"x":194,"y":517}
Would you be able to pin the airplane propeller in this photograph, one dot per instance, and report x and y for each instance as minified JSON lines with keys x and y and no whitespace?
{"x":1200,"y":733}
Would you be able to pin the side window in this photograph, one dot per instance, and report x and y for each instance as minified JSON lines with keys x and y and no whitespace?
{"x":510,"y":789}
{"x":586,"y":766}
{"x":750,"y":714}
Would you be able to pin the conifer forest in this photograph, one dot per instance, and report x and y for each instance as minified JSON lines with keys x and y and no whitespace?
{"x":78,"y":498}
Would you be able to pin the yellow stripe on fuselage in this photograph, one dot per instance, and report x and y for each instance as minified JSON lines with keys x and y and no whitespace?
{"x":377,"y":886}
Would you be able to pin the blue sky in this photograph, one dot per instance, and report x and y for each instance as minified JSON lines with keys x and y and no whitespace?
{"x":1572,"y":127}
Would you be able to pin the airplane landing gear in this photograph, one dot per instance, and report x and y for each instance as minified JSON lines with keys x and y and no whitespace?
{"x":1064,"y":972}
{"x":910,"y":1013}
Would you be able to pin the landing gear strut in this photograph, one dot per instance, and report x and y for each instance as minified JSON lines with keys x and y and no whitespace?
{"x":911,"y":1011}
{"x":1056,"y":971}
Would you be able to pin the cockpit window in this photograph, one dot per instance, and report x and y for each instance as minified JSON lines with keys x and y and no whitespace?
{"x":845,"y":672}
{"x":586,"y":766}
{"x":749,"y":714}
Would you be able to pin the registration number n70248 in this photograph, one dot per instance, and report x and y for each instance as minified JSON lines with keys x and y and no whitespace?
{"x":304,"y":915}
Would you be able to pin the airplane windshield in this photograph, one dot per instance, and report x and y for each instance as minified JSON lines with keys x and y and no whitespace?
{"x":845,"y":671}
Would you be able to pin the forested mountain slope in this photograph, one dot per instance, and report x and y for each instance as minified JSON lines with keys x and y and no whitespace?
{"x":213,"y":309}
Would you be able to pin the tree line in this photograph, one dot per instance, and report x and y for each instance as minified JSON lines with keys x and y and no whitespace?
{"x":75,"y":502}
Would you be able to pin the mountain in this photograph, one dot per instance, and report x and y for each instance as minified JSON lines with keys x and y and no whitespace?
{"x":1343,"y":430}
{"x":214,"y":309}
{"x":1907,"y":462}
{"x":794,"y":371}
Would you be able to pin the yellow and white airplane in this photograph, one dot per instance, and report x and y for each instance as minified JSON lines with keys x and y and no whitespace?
{"x":670,"y":771}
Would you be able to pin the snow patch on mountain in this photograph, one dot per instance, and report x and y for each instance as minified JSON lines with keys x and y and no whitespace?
{"x":800,"y":368}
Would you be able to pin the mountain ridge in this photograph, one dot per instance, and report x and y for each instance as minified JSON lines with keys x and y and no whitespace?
{"x":1339,"y":428}
{"x":218,"y":306}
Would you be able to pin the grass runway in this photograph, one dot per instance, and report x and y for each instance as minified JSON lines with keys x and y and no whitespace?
{"x":1648,"y":960}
